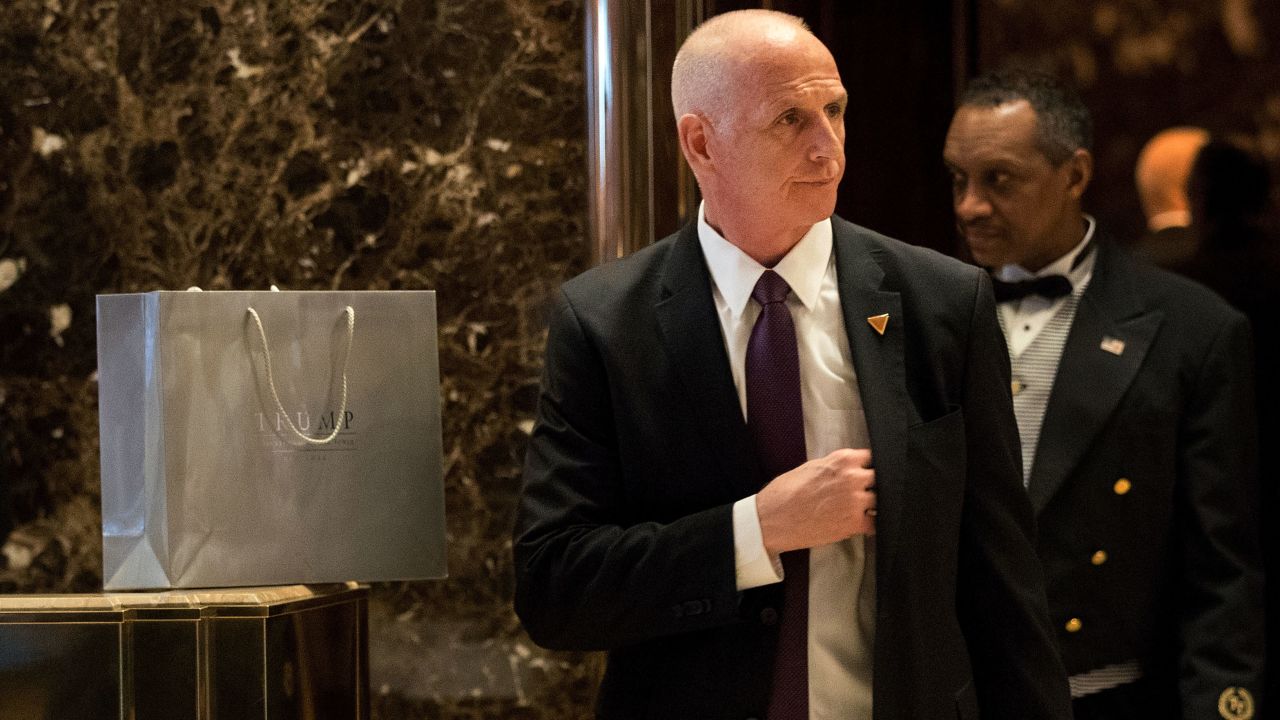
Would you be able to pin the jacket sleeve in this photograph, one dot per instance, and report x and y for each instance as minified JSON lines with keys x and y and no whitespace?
{"x":588,"y":578}
{"x":1221,"y":592}
{"x":1017,"y":671}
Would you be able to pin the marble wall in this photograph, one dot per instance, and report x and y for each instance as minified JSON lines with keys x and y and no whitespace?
{"x":1144,"y":65}
{"x":354,"y":144}
{"x":381,"y":144}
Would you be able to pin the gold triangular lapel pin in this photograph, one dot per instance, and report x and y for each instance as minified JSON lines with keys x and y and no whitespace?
{"x":1115,"y":346}
{"x":879,"y":322}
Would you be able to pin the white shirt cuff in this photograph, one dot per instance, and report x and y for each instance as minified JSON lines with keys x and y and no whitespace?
{"x":754,"y":567}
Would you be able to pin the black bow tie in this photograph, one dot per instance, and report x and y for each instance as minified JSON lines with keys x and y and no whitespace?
{"x":1049,"y":286}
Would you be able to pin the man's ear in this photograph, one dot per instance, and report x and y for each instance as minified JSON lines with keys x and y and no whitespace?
{"x":1080,"y":172}
{"x":693,"y":130}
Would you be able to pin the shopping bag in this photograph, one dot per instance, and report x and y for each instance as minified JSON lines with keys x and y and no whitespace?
{"x":267,"y":438}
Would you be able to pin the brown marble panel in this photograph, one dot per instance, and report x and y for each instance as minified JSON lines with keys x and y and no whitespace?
{"x":356,"y":144}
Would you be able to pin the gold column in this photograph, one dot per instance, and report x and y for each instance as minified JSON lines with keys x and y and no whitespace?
{"x":629,"y":49}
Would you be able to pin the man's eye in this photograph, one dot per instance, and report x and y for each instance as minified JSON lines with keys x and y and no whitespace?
{"x":790,"y":118}
{"x":998,"y":178}
{"x":835,"y":110}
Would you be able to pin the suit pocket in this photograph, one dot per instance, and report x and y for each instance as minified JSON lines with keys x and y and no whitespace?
{"x":954,"y":414}
{"x":935,"y":481}
{"x":967,"y":702}
{"x":937,"y":447}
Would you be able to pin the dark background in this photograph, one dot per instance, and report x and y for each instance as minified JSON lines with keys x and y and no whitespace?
{"x":1141,"y":66}
{"x":380,"y":144}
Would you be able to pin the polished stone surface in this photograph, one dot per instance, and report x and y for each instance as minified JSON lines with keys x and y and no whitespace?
{"x":354,"y":144}
{"x":438,"y":144}
{"x":278,"y":653}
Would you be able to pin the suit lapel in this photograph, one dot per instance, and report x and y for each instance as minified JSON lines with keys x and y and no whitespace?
{"x":691,"y":336}
{"x":879,"y":366}
{"x":1091,"y":378}
{"x":693,"y":340}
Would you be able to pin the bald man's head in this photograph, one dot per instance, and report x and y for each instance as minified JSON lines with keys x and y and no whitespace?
{"x":711,"y":60}
{"x":760,"y":114}
{"x":1162,"y":170}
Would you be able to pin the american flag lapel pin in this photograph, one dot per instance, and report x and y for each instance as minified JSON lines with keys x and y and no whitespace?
{"x":1115,"y":346}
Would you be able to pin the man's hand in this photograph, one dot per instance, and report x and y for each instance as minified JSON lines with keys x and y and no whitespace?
{"x":820,"y":502}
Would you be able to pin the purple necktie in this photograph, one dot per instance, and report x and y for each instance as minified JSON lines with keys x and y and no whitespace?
{"x":776,"y":422}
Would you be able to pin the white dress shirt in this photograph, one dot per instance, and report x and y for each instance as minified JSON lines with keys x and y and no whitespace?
{"x":841,"y":575}
{"x":1024,"y":319}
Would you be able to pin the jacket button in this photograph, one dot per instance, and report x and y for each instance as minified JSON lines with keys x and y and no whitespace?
{"x":1099,"y":557}
{"x":694,"y":607}
{"x":1074,"y":625}
{"x":1122,"y":486}
{"x":769,"y":616}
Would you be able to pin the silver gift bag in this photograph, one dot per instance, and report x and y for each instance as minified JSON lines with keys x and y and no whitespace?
{"x":266,"y":438}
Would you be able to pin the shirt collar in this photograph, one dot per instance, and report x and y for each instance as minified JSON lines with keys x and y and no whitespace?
{"x":735,"y":273}
{"x":1066,"y":265}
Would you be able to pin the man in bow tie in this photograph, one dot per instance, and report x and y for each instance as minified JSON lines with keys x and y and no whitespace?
{"x":1133,"y":395}
{"x":774,"y":471}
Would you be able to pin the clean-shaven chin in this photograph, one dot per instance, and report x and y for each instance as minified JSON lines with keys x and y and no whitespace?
{"x":985,"y":247}
{"x":820,"y":195}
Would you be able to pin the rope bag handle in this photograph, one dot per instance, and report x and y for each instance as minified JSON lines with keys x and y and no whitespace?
{"x":346,"y":359}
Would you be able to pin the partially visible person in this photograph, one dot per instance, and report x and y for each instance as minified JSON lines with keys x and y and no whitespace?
{"x":774,"y":470}
{"x":1238,"y":256}
{"x":1161,"y":173}
{"x":1133,"y":396}
{"x":1229,"y":191}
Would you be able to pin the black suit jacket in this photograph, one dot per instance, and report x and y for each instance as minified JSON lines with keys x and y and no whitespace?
{"x":624,"y":536}
{"x":1178,"y":585}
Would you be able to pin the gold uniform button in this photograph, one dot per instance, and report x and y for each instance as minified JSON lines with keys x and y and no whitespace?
{"x":1122,"y":486}
{"x":1074,"y":625}
{"x":1017,"y":387}
{"x":1099,"y":557}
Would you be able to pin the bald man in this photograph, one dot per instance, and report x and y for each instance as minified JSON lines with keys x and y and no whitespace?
{"x":1161,"y":174}
{"x":775,"y":470}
